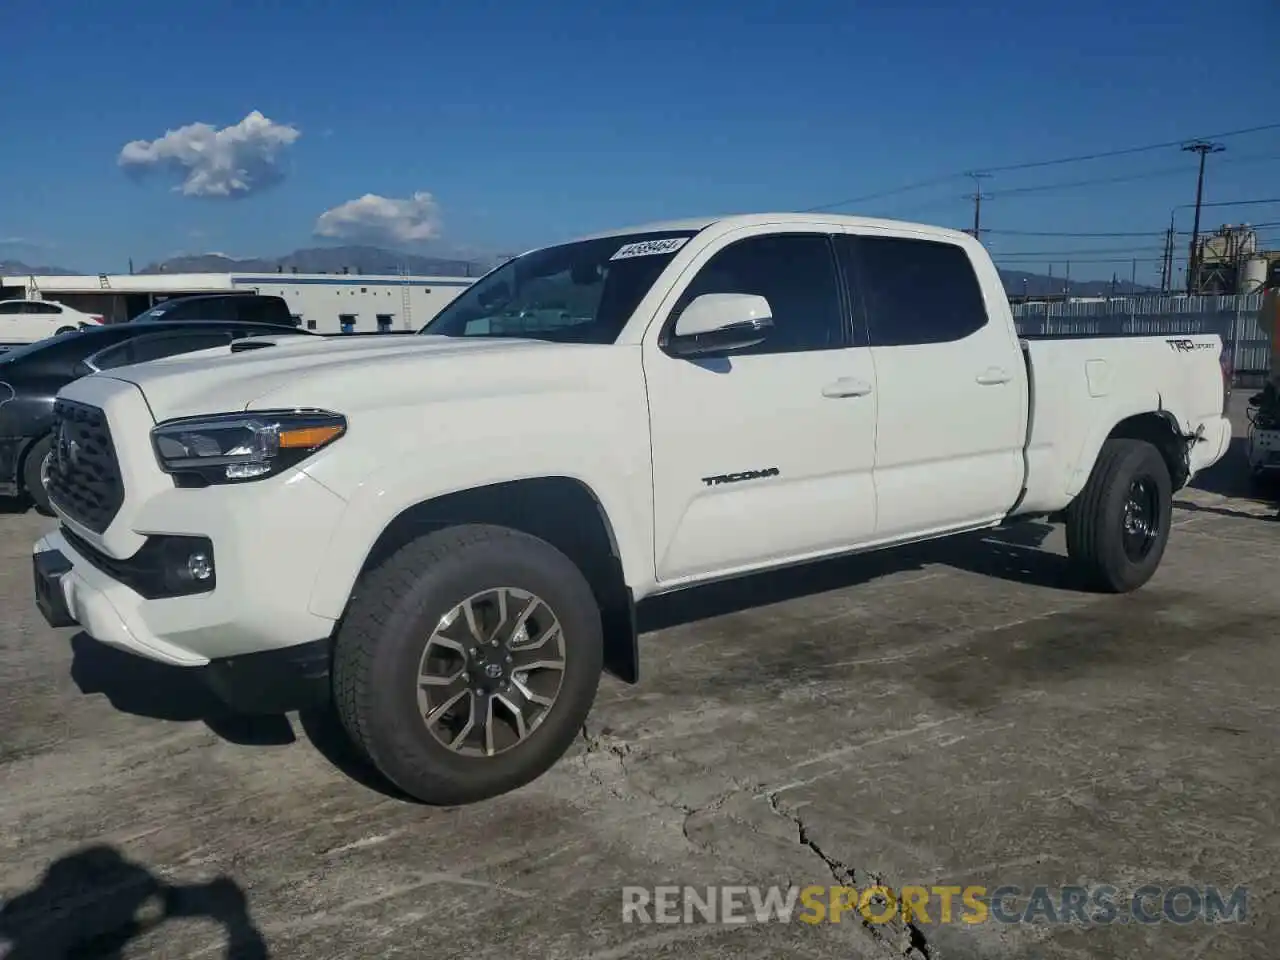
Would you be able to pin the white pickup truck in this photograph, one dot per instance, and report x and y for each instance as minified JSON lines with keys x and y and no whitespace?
{"x":449,"y":533}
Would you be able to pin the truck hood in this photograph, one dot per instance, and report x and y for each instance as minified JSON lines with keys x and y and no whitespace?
{"x":224,"y":379}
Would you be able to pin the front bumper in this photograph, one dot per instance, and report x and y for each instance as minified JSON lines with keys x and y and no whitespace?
{"x":268,"y":542}
{"x":70,"y":592}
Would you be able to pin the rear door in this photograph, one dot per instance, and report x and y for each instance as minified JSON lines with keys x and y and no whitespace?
{"x":45,"y":319}
{"x":951,"y":416}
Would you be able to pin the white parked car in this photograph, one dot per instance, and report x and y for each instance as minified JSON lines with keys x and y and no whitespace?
{"x":450,"y":535}
{"x":26,"y":321}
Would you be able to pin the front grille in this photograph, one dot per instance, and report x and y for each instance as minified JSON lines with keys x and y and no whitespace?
{"x":84,"y":475}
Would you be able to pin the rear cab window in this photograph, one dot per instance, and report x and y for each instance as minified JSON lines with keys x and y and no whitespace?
{"x":913,"y":291}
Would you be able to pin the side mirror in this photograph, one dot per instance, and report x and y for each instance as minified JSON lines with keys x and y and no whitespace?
{"x":715,"y":322}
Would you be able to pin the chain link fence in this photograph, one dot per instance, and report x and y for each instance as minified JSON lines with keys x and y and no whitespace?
{"x":1234,"y":319}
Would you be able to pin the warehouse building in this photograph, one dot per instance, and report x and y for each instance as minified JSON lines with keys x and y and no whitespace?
{"x":326,"y":303}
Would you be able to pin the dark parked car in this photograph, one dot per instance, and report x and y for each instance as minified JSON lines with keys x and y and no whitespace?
{"x":31,"y":376}
{"x":245,"y":307}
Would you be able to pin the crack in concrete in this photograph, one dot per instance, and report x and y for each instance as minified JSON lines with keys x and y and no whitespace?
{"x":912,"y":944}
{"x":620,"y":751}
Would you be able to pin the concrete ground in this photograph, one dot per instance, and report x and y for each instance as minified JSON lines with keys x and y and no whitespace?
{"x":954,"y":715}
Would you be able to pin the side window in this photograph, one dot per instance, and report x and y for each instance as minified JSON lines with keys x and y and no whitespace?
{"x":12,"y":308}
{"x":142,"y":349}
{"x":277,"y":311}
{"x":41,"y":308}
{"x":916,"y":291}
{"x":262,"y":310}
{"x":796,"y":273}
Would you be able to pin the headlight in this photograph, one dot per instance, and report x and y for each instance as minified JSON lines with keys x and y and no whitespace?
{"x":233,"y":447}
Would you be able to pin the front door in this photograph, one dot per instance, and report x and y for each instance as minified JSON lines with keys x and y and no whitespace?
{"x":763,"y":454}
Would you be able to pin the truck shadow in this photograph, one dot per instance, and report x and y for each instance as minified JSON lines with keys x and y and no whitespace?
{"x":1229,"y":477}
{"x":93,"y":903}
{"x":1014,"y":554}
{"x":157,"y":691}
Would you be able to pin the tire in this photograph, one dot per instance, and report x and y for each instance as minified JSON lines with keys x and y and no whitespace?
{"x":394,"y":617}
{"x":1097,"y":520}
{"x":32,"y":481}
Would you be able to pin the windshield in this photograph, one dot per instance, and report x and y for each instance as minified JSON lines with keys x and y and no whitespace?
{"x":582,"y":292}
{"x":157,"y":312}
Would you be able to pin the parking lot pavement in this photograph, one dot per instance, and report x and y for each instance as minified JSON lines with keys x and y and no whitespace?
{"x":952,"y":715}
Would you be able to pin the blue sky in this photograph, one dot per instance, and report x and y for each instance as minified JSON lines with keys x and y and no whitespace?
{"x":528,"y":123}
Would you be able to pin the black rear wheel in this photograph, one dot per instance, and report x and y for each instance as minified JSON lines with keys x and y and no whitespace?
{"x":1118,"y":526}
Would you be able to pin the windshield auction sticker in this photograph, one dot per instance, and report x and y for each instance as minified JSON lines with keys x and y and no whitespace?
{"x":649,"y":248}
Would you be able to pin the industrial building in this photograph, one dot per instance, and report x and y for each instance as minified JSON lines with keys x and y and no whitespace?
{"x":326,"y":303}
{"x":1232,"y":261}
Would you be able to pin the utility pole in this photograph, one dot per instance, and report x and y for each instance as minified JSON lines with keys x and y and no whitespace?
{"x":1166,"y":259}
{"x":977,"y":197}
{"x":1204,"y":148}
{"x":1133,"y":277}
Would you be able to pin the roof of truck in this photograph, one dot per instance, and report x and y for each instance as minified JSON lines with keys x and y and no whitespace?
{"x":753,"y":219}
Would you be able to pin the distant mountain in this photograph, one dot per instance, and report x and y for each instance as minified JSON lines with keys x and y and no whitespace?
{"x":363,"y":259}
{"x":1018,"y":283}
{"x":354,"y":259}
{"x":16,"y":268}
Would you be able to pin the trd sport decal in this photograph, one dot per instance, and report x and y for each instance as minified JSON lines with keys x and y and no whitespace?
{"x":1184,"y":345}
{"x":739,"y":477}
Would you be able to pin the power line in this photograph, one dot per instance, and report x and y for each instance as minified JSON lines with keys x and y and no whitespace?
{"x":1078,"y":260}
{"x":1266,"y":225}
{"x":1071,"y":184}
{"x":1126,"y":178}
{"x":1229,"y":203}
{"x":1058,"y":233}
{"x":1041,"y":254}
{"x":1079,"y":158}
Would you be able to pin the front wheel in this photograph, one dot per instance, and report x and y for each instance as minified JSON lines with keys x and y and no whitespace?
{"x":467,"y":662}
{"x":1118,"y":526}
{"x":35,"y":470}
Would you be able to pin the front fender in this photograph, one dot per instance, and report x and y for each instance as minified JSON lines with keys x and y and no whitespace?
{"x":596,"y":445}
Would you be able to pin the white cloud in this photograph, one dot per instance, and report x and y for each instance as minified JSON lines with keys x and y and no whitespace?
{"x":375,"y":219}
{"x":233,"y":162}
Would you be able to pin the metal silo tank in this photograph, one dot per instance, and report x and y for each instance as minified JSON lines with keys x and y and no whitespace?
{"x":1252,"y":276}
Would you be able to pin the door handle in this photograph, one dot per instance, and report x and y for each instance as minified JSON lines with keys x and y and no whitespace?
{"x":993,"y":375}
{"x":846,"y":387}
